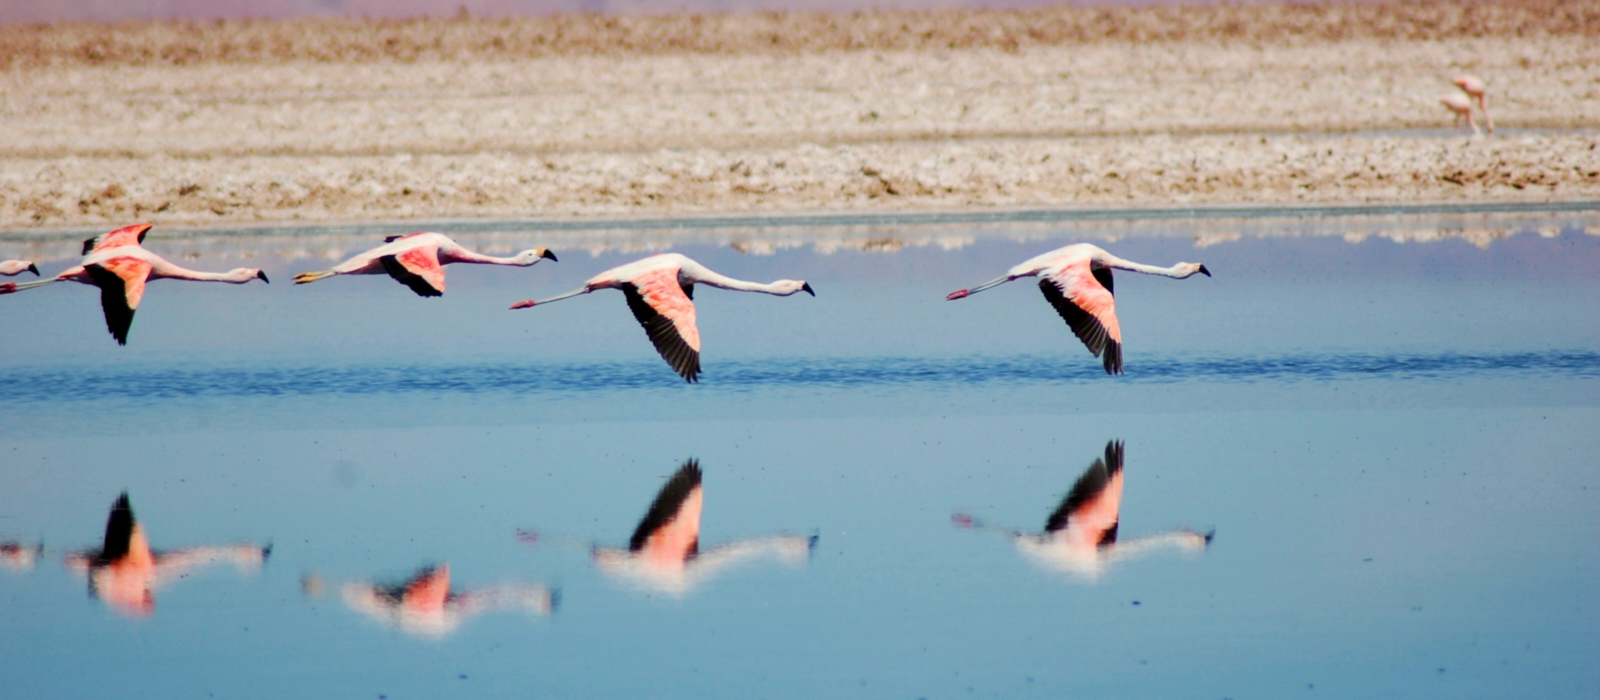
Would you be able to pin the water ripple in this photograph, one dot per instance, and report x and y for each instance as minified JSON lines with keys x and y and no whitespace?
{"x":43,"y":385}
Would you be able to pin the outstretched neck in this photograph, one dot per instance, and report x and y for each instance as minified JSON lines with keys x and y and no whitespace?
{"x":466,"y":256}
{"x":1177,"y":271}
{"x":704,"y":276}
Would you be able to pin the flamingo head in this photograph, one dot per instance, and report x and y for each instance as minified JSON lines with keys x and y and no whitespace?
{"x":245,"y":274}
{"x":1187,"y":270}
{"x":532,"y":256}
{"x":34,"y":269}
{"x":1469,"y":84}
{"x":785,"y":288}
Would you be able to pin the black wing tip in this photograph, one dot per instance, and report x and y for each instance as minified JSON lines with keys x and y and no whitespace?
{"x":414,"y":281}
{"x":395,"y":237}
{"x":669,"y":500}
{"x":1113,"y":357}
{"x":1115,"y":453}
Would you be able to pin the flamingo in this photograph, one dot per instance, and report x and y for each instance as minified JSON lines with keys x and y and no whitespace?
{"x":1462,"y":107}
{"x":1476,"y":90}
{"x":125,"y":572}
{"x":1080,"y":537}
{"x":660,"y":291}
{"x":664,"y":553}
{"x":417,"y":261}
{"x":117,"y":264}
{"x":18,"y":556}
{"x":425,"y":605}
{"x":1077,"y":281}
{"x":11,"y":268}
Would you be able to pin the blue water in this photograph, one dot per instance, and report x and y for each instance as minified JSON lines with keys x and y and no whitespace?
{"x":1394,"y":445}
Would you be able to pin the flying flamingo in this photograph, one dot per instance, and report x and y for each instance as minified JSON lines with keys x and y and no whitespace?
{"x":660,"y":290}
{"x":17,"y":267}
{"x":425,"y":605}
{"x":1476,"y":90}
{"x":417,"y":261}
{"x":117,"y":264}
{"x":125,"y":572}
{"x":1462,"y":107}
{"x":1080,"y":537}
{"x":1077,"y":281}
{"x":664,"y":553}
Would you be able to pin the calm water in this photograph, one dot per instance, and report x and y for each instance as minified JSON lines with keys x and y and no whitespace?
{"x":1394,"y":446}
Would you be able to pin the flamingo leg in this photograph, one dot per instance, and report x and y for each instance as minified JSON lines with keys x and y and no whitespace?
{"x":964,"y":293}
{"x":532,"y":302}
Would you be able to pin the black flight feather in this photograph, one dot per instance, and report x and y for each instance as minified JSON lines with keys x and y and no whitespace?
{"x":668,"y":502}
{"x":119,"y":532}
{"x":1085,"y":325}
{"x":1090,"y":485}
{"x":683,"y":359}
{"x":113,"y":301}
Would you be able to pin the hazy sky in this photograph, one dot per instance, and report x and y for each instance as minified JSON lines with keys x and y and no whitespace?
{"x":13,"y":11}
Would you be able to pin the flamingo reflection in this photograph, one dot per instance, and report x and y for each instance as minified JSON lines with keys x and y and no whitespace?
{"x":664,"y":553}
{"x":125,"y":572}
{"x":426,"y":606}
{"x":1080,"y":537}
{"x":20,"y":557}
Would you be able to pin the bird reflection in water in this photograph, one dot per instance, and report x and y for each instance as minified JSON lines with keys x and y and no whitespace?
{"x":125,"y":572}
{"x":20,"y":557}
{"x":664,"y":554}
{"x":1080,"y":537}
{"x":425,"y":605}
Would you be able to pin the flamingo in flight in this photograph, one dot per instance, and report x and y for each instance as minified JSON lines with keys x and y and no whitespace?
{"x":11,"y":268}
{"x":425,"y":604}
{"x":125,"y":572}
{"x":660,"y":291}
{"x":118,"y":264}
{"x":1461,"y":106}
{"x":1080,"y":537}
{"x":664,"y":553}
{"x":1077,"y":282}
{"x":1478,"y":91}
{"x":417,"y":261}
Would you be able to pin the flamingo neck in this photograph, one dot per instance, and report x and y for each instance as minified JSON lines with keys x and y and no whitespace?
{"x":713,"y":279}
{"x":467,"y":256}
{"x":196,"y":276}
{"x":1112,"y":261}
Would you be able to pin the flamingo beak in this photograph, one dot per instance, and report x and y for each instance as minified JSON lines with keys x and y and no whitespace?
{"x":548,"y":254}
{"x":806,"y":287}
{"x":1204,"y":271}
{"x":262,"y":275}
{"x":34,"y":269}
{"x":957,"y":294}
{"x":523,"y":304}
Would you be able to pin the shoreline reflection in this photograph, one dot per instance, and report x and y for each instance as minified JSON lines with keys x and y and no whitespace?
{"x":125,"y":572}
{"x":664,"y":554}
{"x":425,"y":605}
{"x":1080,"y":536}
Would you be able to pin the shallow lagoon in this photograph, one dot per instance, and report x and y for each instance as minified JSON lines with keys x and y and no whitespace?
{"x":1394,"y":444}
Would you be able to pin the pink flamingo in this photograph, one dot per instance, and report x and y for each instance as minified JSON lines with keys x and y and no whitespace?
{"x":117,"y":264}
{"x":426,"y":605}
{"x":664,"y":553}
{"x":1476,"y":90}
{"x":1077,"y":282}
{"x":1080,"y":537}
{"x":660,"y":291}
{"x":125,"y":572}
{"x":417,"y":261}
{"x":1462,"y":107}
{"x":11,"y":268}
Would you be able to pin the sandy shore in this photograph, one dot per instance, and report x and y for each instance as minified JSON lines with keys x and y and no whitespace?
{"x":188,"y":124}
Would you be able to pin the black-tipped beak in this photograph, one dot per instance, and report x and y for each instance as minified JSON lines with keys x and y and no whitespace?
{"x":263,"y":275}
{"x":1204,"y":271}
{"x":806,"y":287}
{"x":550,"y":255}
{"x":34,"y":269}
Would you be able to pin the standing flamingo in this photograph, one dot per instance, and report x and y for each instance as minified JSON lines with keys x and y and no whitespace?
{"x":664,"y":553}
{"x":17,"y":267}
{"x":1080,"y":537}
{"x":125,"y":572}
{"x":117,"y":264}
{"x":1462,"y":107}
{"x":1476,"y":90}
{"x":660,"y":291}
{"x":1077,"y":281}
{"x":417,"y":261}
{"x":425,"y":604}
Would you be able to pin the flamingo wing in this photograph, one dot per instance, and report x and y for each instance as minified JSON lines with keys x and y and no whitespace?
{"x":1095,"y":501}
{"x":671,"y":528}
{"x":428,"y":591}
{"x":121,"y":282}
{"x":398,"y":236}
{"x":665,"y":310}
{"x":1083,"y":298}
{"x":418,"y":269}
{"x":127,"y":235}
